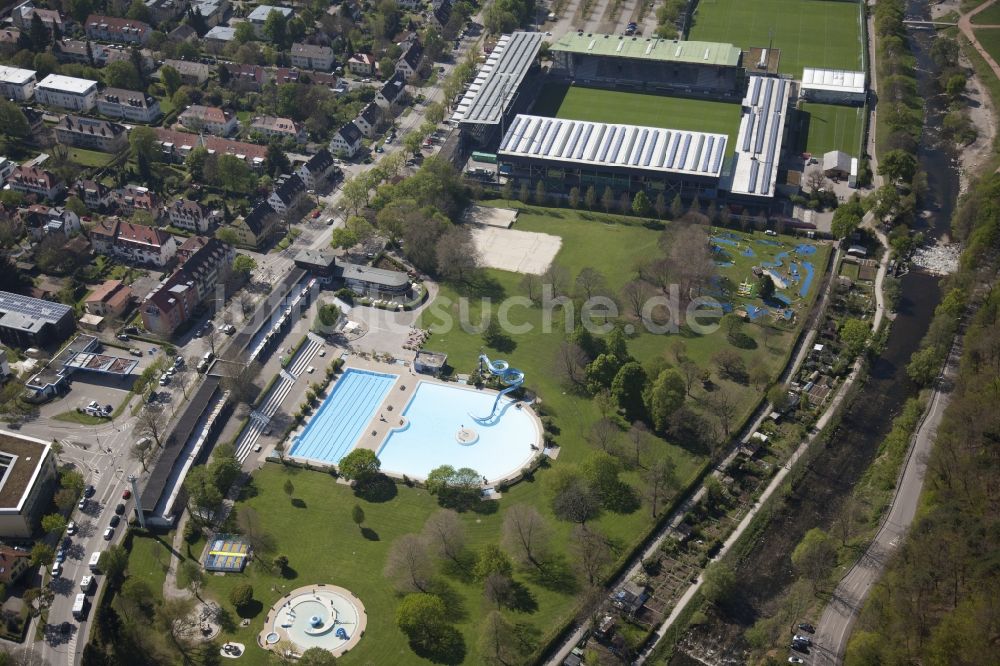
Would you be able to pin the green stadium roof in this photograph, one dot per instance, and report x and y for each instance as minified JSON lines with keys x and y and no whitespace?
{"x":649,"y":48}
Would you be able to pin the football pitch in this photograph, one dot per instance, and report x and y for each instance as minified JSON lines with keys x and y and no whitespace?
{"x":631,"y":108}
{"x":810,"y":33}
{"x":831,"y":127}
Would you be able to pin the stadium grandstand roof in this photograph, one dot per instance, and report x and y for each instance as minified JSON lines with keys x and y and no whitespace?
{"x":499,"y":78}
{"x":615,"y":145}
{"x":758,"y":145}
{"x":835,"y":80}
{"x":649,"y":48}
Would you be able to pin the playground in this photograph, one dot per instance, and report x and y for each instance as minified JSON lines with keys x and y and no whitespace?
{"x":744,"y":259}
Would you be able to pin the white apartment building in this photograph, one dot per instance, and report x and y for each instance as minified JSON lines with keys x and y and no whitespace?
{"x":66,"y":92}
{"x":16,"y":83}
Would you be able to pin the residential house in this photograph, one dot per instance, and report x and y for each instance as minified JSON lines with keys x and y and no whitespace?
{"x":256,"y":229}
{"x":133,"y":242}
{"x":13,"y":563}
{"x":259,"y":15}
{"x":66,"y":92}
{"x":440,"y":13}
{"x":6,"y":168}
{"x":111,"y":299}
{"x":191,"y":215}
{"x":409,"y":62}
{"x":213,"y":11}
{"x":392,"y":94}
{"x":280,"y":75}
{"x":176,"y":146}
{"x":369,"y":119}
{"x":347,"y":140}
{"x":34,"y":180}
{"x":10,"y":39}
{"x":211,"y":119}
{"x":24,"y":14}
{"x":130,"y":105}
{"x":182,"y":33}
{"x":127,"y":200}
{"x":281,"y":128}
{"x":315,"y":172}
{"x":92,"y":134}
{"x":174,"y":301}
{"x":410,"y":4}
{"x":29,"y":480}
{"x":220,"y":34}
{"x":118,"y":30}
{"x":324,"y":79}
{"x":99,"y":55}
{"x":190,"y":245}
{"x":312,"y":56}
{"x":287,"y":193}
{"x":192,"y":73}
{"x":245,"y":77}
{"x":162,"y":11}
{"x":41,"y":221}
{"x":361,"y":64}
{"x":17,"y":84}
{"x":93,"y":194}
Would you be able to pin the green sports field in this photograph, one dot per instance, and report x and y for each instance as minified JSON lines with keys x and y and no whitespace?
{"x":810,"y":33}
{"x":612,"y":106}
{"x":830,"y":127}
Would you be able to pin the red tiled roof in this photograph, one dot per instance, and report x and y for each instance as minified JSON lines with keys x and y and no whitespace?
{"x":104,"y":291}
{"x":138,"y":233}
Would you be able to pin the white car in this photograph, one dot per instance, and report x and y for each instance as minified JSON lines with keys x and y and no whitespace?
{"x":164,"y":380}
{"x":310,"y":370}
{"x":109,"y":534}
{"x":71,"y":527}
{"x":322,"y":353}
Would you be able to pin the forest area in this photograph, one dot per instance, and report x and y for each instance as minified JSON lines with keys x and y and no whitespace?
{"x":938,"y":601}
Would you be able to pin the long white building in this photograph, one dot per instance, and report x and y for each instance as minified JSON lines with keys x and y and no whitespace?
{"x":67,"y":92}
{"x":758,"y":144}
{"x":16,"y":83}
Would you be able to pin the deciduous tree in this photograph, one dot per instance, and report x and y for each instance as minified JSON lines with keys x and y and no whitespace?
{"x":408,"y":565}
{"x":527,"y":535}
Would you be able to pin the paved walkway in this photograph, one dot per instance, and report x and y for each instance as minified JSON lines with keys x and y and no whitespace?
{"x":834,"y":627}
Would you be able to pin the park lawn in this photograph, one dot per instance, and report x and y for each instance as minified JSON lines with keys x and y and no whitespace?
{"x":849,"y":270}
{"x":90,"y":158}
{"x":644,"y":109}
{"x":989,"y":16}
{"x":831,"y":127}
{"x":323,"y":545}
{"x":149,"y":559}
{"x":810,"y":33}
{"x":990,"y":39}
{"x":73,"y":416}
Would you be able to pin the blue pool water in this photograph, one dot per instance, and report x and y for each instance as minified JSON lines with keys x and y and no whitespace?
{"x":436,"y":413}
{"x":755,"y":312}
{"x":335,"y":428}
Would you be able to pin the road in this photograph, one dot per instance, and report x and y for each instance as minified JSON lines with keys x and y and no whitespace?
{"x":834,"y":628}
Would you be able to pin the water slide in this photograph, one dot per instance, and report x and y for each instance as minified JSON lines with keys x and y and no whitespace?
{"x":512,"y":377}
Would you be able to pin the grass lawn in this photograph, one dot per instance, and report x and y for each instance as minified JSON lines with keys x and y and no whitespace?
{"x":149,"y":559}
{"x":989,"y":16}
{"x":611,"y":106}
{"x":89,"y":158}
{"x":810,"y":33}
{"x":73,"y":416}
{"x":990,"y":39}
{"x":830,"y":127}
{"x":849,"y":269}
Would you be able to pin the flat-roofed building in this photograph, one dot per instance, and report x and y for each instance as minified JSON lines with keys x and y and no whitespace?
{"x":16,"y":83}
{"x":833,"y":86}
{"x":493,"y":96}
{"x":649,"y":63}
{"x":311,"y":56}
{"x":33,"y":322}
{"x":628,"y":158}
{"x":66,"y":92}
{"x":259,"y":15}
{"x":27,"y":482}
{"x":131,"y":105}
{"x":754,"y":172}
{"x":90,"y":133}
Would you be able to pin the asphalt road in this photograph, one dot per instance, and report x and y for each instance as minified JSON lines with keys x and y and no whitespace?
{"x":834,"y":628}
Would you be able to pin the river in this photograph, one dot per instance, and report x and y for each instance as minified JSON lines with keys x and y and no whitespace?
{"x":833,"y":472}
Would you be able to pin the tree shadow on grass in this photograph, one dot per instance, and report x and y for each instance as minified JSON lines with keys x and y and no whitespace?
{"x":555,"y":574}
{"x":250,"y":610}
{"x":226,"y":620}
{"x":453,"y":600}
{"x":481,"y":285}
{"x":462,"y":569}
{"x":298,"y":503}
{"x":288,"y":573}
{"x":369,"y":534}
{"x":446,"y":646}
{"x":521,"y":599}
{"x":485,"y":507}
{"x":378,"y":490}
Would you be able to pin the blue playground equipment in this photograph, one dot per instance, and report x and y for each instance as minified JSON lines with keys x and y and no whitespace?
{"x":341,"y":633}
{"x":512,"y":377}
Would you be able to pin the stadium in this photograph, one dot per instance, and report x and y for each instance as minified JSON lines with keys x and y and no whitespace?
{"x":690,"y":118}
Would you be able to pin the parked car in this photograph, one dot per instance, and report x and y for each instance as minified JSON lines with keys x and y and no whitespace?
{"x":122,"y":336}
{"x":802,"y":639}
{"x":120,"y":509}
{"x":808,"y":628}
{"x":115,"y":520}
{"x":127,"y":493}
{"x":135,"y":352}
{"x":61,"y":555}
{"x":89,"y":491}
{"x":71,"y":527}
{"x":796,"y":660}
{"x":82,"y":504}
{"x":109,"y":534}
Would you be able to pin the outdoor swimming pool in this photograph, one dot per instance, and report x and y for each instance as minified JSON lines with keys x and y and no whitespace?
{"x":440,"y":428}
{"x":335,"y":428}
